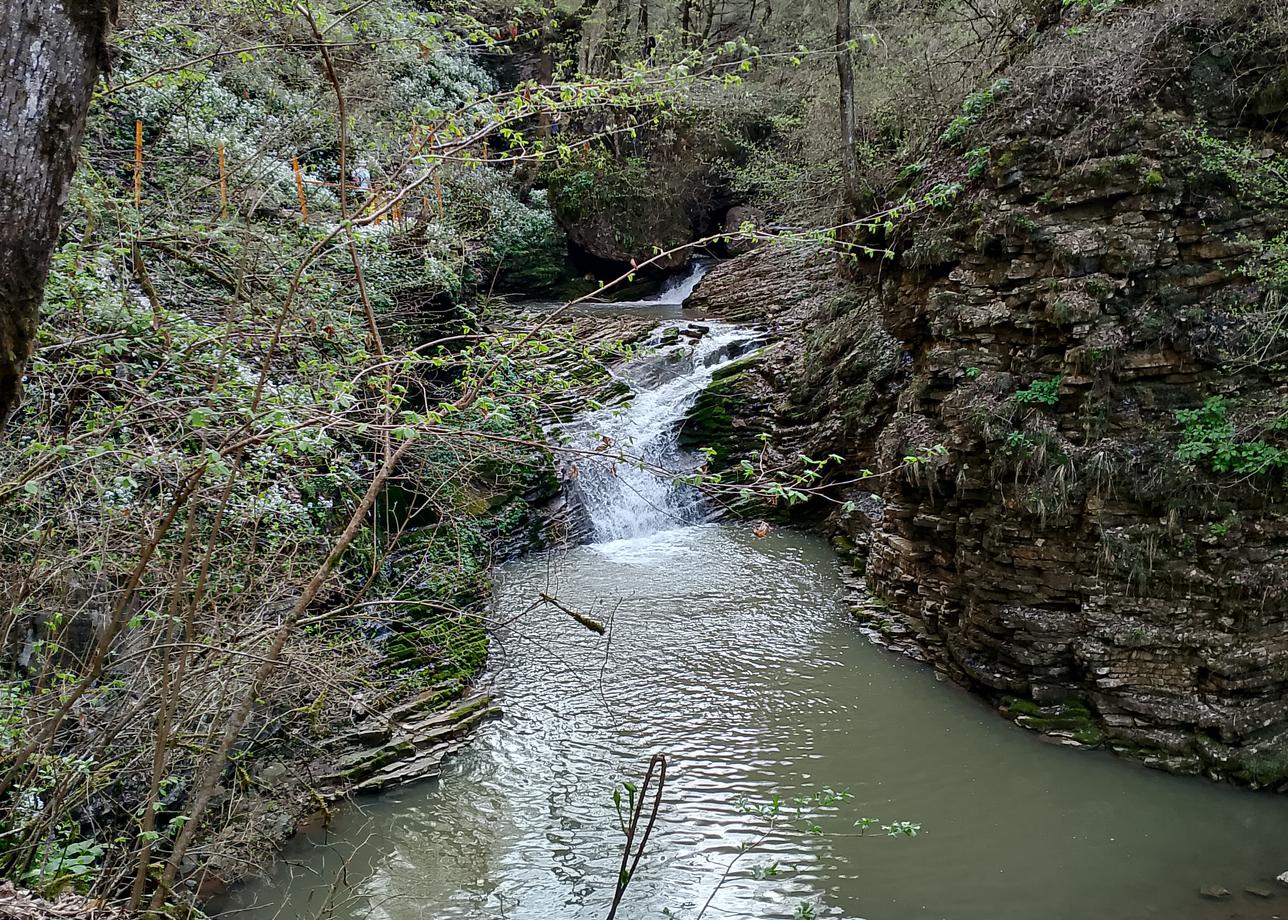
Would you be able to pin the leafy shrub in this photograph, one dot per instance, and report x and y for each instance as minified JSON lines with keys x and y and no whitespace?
{"x":977,"y":161}
{"x":1257,"y":178}
{"x":1208,"y":439}
{"x":976,"y":104}
{"x":1040,"y":392}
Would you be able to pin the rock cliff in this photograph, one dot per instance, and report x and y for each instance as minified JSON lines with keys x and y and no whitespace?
{"x":1094,"y":330}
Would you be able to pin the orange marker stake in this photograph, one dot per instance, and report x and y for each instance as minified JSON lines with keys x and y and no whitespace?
{"x":299,"y":188}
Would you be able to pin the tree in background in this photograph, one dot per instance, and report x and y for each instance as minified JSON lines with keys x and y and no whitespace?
{"x":845,"y":72}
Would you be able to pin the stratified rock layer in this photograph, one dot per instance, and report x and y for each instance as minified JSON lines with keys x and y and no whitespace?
{"x":1098,"y":276}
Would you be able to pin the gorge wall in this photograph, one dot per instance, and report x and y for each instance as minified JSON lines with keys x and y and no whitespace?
{"x":1094,"y":331}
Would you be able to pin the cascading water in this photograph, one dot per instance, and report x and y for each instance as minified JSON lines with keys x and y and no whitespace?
{"x":673,"y":293}
{"x":677,"y":290}
{"x":628,"y":489}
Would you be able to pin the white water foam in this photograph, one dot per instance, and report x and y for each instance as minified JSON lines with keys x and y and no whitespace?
{"x":674,"y":292}
{"x":628,"y":487}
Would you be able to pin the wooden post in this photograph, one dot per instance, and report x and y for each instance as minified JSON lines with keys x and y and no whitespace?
{"x":223,"y":182}
{"x":299,"y":188}
{"x":138,"y":163}
{"x":438,"y":192}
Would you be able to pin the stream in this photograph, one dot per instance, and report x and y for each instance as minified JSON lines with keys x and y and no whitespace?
{"x":736,"y":657}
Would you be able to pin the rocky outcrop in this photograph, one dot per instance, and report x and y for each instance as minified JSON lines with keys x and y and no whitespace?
{"x":827,"y":377}
{"x":621,"y":205}
{"x":406,"y":744}
{"x":1082,"y":510}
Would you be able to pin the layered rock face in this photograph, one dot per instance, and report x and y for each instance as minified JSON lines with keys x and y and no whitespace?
{"x":1095,"y":332}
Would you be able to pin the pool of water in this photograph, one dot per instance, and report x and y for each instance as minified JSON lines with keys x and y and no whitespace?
{"x":734,"y":656}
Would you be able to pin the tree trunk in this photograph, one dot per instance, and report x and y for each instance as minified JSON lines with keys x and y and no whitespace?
{"x":52,"y":51}
{"x":545,"y":70}
{"x":845,"y":70}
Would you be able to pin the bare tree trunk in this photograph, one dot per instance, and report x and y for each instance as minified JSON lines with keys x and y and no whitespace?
{"x":51,"y":51}
{"x":545,"y":71}
{"x":845,"y":70}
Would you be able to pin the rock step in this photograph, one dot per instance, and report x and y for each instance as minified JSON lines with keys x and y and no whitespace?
{"x":407,"y":750}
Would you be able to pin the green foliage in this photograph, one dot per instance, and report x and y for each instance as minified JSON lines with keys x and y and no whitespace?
{"x":943,"y":195}
{"x":1269,"y":264}
{"x":976,"y":105}
{"x":1208,"y":438}
{"x":977,"y":161}
{"x":1040,"y":392}
{"x":1257,"y":177}
{"x":598,"y":182}
{"x":955,"y":133}
{"x":1018,"y":442}
{"x":1095,"y":7}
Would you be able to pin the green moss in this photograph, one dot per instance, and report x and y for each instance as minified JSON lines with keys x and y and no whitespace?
{"x":710,"y":424}
{"x":1089,"y":736}
{"x":1068,"y":718}
{"x":1265,"y":769}
{"x":843,"y":545}
{"x":1015,"y":706}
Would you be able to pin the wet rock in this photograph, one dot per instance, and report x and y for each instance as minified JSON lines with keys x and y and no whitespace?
{"x":1260,"y":892}
{"x":1282,"y":879}
{"x":419,"y":741}
{"x":1215,"y":892}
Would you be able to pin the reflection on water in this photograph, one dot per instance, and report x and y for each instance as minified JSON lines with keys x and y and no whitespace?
{"x":733,"y":656}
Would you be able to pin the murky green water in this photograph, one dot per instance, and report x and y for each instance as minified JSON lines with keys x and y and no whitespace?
{"x":733,"y":656}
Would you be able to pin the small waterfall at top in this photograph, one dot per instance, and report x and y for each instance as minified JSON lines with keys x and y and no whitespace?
{"x":675,"y":291}
{"x":628,"y":490}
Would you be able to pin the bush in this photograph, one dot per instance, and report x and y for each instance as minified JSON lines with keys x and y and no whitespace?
{"x":1208,"y":439}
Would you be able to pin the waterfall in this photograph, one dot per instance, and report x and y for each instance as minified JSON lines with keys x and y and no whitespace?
{"x":675,"y":291}
{"x":626,"y":489}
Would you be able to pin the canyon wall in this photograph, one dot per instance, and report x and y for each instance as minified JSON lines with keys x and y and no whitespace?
{"x":1091,"y":325}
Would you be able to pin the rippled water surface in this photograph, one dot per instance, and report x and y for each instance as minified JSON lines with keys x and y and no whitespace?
{"x":733,"y":656}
